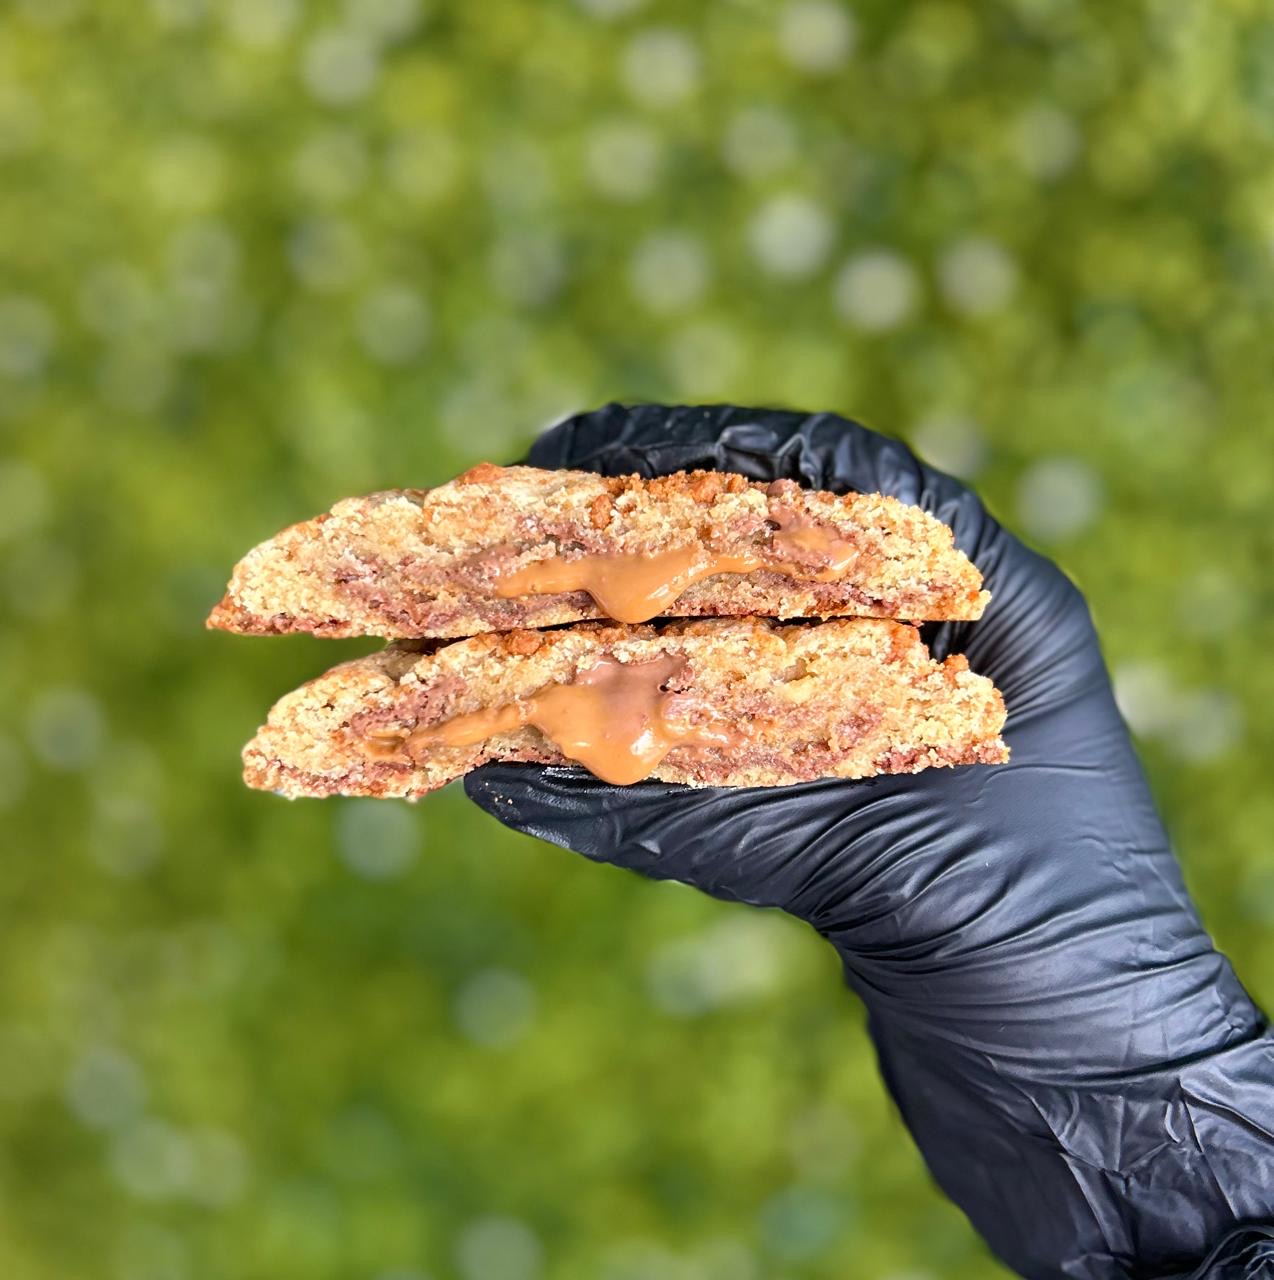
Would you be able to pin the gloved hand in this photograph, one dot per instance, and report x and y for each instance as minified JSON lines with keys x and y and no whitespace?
{"x":1082,"y":1071}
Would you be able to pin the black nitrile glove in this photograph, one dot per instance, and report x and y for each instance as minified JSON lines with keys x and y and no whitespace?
{"x":1082,"y":1071}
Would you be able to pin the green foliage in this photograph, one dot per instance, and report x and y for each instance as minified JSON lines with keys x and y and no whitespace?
{"x":259,"y":254}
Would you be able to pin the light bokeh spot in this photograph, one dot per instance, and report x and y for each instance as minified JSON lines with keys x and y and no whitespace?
{"x":153,"y":1160}
{"x":1213,"y":602}
{"x":669,"y":271}
{"x":105,"y":1089}
{"x":340,"y":66}
{"x":477,"y":417}
{"x":1209,"y":725}
{"x":791,"y":236}
{"x":495,"y":1007}
{"x":952,"y":443}
{"x":1046,"y":141}
{"x":1146,"y":695}
{"x":817,"y":37}
{"x":978,"y":276}
{"x":1058,"y":498}
{"x":385,"y":19}
{"x":660,"y":67}
{"x":734,"y":962}
{"x":377,"y":839}
{"x":704,"y":357}
{"x":759,"y":142}
{"x":261,"y":23}
{"x":1197,"y":725}
{"x":876,"y":290}
{"x":66,"y":728}
{"x":498,"y":1246}
{"x":801,"y":1222}
{"x":126,"y":838}
{"x":622,"y":159}
{"x":393,"y":324}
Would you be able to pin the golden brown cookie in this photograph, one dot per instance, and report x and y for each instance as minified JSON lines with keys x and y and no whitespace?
{"x":501,"y":548}
{"x":726,"y":702}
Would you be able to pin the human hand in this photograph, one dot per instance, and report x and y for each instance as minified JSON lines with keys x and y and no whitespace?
{"x":1084,"y":1074}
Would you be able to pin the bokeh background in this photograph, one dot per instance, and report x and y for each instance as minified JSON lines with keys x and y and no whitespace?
{"x":256,"y":255}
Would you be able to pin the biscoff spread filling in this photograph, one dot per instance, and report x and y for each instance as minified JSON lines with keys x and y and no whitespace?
{"x":636,"y":586}
{"x":616,"y":719}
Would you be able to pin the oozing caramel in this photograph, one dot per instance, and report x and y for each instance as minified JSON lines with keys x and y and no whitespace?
{"x":637,"y":586}
{"x":615,"y":719}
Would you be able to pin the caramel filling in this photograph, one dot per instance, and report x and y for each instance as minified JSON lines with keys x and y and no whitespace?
{"x":637,"y":586}
{"x":615,"y":719}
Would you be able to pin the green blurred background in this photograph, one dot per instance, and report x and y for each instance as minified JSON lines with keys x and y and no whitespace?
{"x":256,"y":255}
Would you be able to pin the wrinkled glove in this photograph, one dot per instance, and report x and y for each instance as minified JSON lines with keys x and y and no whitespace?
{"x":1082,"y":1071}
